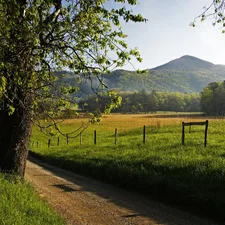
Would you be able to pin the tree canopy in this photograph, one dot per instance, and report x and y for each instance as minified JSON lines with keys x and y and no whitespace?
{"x":215,"y":11}
{"x":212,"y":98}
{"x":145,"y":102}
{"x":39,"y":37}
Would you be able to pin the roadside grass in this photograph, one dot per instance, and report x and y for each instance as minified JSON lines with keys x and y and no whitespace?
{"x":20,"y":204}
{"x":188,"y":175}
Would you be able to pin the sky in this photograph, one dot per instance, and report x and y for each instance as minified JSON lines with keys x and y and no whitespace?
{"x":168,"y":35}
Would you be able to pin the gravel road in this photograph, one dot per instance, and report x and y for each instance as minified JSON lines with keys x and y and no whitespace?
{"x":84,"y":201}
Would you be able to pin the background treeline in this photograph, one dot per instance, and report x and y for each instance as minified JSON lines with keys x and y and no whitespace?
{"x":144,"y":102}
{"x":213,"y":98}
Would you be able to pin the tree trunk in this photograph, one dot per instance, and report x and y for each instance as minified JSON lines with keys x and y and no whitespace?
{"x":15,"y":131}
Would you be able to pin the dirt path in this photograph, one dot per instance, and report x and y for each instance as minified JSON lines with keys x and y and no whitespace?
{"x":83,"y":200}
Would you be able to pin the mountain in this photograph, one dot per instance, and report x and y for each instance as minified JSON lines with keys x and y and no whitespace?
{"x":187,"y":74}
{"x":186,"y":63}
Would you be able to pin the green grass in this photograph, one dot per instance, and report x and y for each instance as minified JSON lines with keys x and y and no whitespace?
{"x":186,"y":175}
{"x":20,"y":205}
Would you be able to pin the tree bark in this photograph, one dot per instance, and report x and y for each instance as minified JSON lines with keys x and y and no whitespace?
{"x":15,"y":131}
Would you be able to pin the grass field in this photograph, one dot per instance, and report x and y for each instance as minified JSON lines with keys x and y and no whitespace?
{"x":185,"y":175}
{"x":20,"y":205}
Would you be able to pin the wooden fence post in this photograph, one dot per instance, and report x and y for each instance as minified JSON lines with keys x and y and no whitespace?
{"x":189,"y":129}
{"x":49,"y":143}
{"x":80,"y":138}
{"x":182,"y":133}
{"x":206,"y":130}
{"x":95,"y":137}
{"x":58,"y":141}
{"x":206,"y":123}
{"x":67,"y":139}
{"x":115,"y":136}
{"x":144,"y":134}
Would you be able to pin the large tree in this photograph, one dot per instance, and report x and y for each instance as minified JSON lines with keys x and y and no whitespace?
{"x":39,"y":37}
{"x":212,"y":98}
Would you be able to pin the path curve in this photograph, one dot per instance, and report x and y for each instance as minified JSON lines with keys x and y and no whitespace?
{"x":84,"y":201}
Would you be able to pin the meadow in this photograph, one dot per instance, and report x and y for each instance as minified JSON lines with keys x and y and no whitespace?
{"x":188,"y":175}
{"x":21,"y":205}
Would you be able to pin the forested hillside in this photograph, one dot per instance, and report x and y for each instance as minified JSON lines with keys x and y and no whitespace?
{"x":187,"y":74}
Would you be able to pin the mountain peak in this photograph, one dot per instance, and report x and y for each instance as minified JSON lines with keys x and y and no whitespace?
{"x":188,"y":57}
{"x":186,"y":62}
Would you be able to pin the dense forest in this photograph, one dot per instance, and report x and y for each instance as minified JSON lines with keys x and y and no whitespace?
{"x":213,"y":98}
{"x":144,"y":102}
{"x":211,"y":101}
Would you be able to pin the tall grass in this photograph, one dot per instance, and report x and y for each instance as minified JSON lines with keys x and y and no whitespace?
{"x":189,"y":174}
{"x":20,"y":205}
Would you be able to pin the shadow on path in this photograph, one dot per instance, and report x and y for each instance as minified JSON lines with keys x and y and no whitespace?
{"x":137,"y":205}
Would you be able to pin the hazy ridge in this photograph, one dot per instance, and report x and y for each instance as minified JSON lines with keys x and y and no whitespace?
{"x":187,"y":74}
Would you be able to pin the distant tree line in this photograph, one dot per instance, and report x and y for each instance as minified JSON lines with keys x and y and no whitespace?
{"x":213,"y":98}
{"x":144,"y":102}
